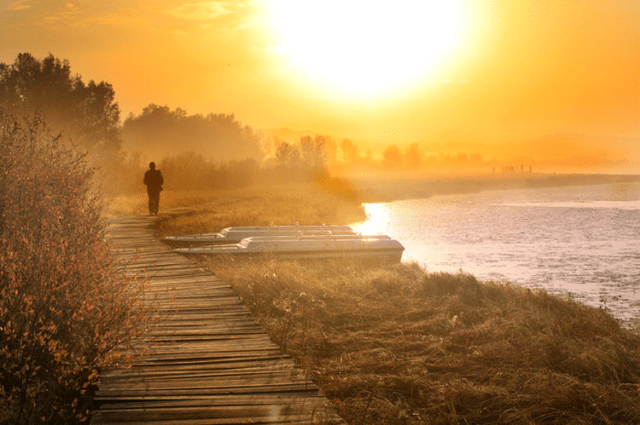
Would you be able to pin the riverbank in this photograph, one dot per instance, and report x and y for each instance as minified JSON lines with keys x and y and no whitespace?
{"x":402,"y":345}
{"x":390,"y":188}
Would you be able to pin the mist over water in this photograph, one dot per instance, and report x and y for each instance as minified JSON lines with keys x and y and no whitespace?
{"x":582,"y":240}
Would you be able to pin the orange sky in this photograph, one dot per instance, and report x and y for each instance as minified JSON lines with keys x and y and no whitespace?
{"x":504,"y":78}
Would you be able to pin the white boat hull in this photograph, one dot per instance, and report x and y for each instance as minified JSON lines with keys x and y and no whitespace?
{"x":381,"y":248}
{"x":231,"y":235}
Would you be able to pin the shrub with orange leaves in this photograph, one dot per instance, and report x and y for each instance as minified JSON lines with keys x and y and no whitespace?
{"x":64,"y":308}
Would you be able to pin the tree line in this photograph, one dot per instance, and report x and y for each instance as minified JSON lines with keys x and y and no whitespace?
{"x":163,"y":132}
{"x":84,"y":112}
{"x":87,"y":115}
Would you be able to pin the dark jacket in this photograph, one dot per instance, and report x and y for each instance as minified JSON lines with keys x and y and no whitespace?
{"x":153,"y":179}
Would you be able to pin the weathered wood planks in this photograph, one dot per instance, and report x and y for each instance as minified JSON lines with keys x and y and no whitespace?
{"x":206,"y":360}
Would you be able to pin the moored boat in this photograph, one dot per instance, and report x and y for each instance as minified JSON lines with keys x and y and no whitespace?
{"x":378,"y":247}
{"x":231,"y":235}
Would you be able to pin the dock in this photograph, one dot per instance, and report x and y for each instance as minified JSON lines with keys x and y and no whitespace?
{"x":206,"y":360}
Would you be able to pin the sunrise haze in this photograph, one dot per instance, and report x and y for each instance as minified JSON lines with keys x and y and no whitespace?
{"x":554,"y":83}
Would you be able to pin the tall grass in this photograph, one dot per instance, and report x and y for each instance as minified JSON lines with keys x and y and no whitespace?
{"x":123,"y":205}
{"x":63,"y":307}
{"x":262,"y":206}
{"x":402,"y":345}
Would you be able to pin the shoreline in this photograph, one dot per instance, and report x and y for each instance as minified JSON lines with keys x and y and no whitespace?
{"x":467,"y":349}
{"x":384,"y":189}
{"x":592,"y":290}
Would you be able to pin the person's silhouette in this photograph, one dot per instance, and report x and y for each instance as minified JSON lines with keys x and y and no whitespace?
{"x":154,"y":180}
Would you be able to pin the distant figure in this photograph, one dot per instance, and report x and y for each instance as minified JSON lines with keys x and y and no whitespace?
{"x":153,"y":179}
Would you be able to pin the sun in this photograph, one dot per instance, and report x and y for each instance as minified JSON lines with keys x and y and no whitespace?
{"x":366,"y":47}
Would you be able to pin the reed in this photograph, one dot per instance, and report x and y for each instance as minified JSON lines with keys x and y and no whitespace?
{"x":262,"y":206}
{"x":403,"y":345}
{"x":400,"y":344}
{"x":122,"y":205}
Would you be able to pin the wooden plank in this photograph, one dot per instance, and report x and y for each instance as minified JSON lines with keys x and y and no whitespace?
{"x":206,"y":360}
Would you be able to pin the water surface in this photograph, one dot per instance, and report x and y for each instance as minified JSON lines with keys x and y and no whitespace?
{"x":582,"y":240}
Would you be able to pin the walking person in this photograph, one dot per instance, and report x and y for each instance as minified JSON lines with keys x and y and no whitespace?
{"x":154,"y":180}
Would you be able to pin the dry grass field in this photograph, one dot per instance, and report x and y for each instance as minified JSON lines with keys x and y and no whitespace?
{"x":403,"y":345}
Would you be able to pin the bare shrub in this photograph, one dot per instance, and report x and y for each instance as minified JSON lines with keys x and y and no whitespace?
{"x":63,"y":308}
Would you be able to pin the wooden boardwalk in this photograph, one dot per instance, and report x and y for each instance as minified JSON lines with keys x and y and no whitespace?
{"x":207,"y":360}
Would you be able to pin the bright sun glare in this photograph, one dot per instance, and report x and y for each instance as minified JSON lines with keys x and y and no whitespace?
{"x":366,"y":47}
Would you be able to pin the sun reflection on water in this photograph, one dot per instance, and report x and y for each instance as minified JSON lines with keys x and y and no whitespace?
{"x":378,"y":218}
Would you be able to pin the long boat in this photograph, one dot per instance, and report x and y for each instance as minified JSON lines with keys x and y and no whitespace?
{"x":232,"y":235}
{"x":378,"y":247}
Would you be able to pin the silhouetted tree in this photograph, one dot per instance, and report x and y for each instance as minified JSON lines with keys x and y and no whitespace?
{"x":84,"y":113}
{"x":288,"y":155}
{"x":313,"y":153}
{"x":163,"y":132}
{"x":391,"y":157}
{"x":349,"y":152}
{"x":414,"y":156}
{"x":330,"y":150}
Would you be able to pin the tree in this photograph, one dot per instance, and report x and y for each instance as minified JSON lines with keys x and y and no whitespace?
{"x":391,"y":157}
{"x":304,"y":160}
{"x":85,"y":113}
{"x":313,"y":153}
{"x":158,"y":131}
{"x":414,"y":156}
{"x":288,"y":155}
{"x":349,"y":152}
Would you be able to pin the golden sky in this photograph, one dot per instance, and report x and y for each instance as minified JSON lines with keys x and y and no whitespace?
{"x":490,"y":74}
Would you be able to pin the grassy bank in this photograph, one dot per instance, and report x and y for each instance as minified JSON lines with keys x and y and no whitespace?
{"x":262,"y":206}
{"x":403,"y":345}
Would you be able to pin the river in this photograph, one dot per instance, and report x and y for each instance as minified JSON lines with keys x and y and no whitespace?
{"x":582,"y":240}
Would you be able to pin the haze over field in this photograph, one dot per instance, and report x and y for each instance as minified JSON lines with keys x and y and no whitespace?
{"x":553,"y":83}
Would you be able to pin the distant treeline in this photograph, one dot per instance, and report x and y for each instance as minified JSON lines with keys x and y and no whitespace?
{"x":82,"y":112}
{"x":199,"y":151}
{"x":162,"y":132}
{"x":194,"y":151}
